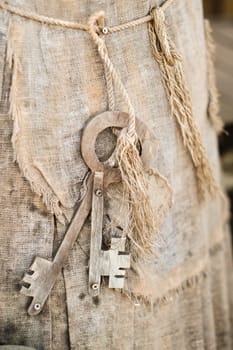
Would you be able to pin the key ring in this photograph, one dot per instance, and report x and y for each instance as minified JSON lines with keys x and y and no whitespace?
{"x":118,"y":120}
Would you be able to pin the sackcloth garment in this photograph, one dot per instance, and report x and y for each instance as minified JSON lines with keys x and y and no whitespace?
{"x":54,"y":84}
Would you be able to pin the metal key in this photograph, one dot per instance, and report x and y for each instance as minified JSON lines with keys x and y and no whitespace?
{"x":45,"y":272}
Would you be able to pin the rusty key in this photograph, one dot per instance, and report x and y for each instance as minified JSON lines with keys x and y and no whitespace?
{"x":45,"y":272}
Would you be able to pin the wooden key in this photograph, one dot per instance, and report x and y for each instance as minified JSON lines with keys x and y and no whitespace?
{"x":44,"y":272}
{"x":113,"y":262}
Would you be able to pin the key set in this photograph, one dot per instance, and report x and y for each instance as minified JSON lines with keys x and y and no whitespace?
{"x":113,"y":262}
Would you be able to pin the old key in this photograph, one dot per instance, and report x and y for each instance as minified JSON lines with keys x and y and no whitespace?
{"x":45,"y":272}
{"x":112,"y":262}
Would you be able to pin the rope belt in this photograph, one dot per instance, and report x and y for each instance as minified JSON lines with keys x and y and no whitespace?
{"x":74,"y":25}
{"x":170,"y":64}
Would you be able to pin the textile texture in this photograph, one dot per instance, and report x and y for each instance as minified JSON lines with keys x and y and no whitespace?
{"x":52,"y":83}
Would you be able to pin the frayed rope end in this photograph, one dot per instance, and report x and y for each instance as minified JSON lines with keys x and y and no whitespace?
{"x":142,"y":221}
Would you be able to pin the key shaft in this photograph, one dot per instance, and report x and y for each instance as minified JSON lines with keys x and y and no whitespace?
{"x":45,"y":272}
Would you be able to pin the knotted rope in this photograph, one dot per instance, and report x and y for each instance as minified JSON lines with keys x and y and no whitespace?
{"x":170,"y":63}
{"x":103,"y":52}
{"x":127,"y":155}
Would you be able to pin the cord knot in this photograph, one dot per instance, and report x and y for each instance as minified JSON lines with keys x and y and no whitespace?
{"x":96,"y":24}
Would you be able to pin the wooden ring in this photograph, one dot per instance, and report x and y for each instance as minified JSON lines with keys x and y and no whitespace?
{"x":118,"y":120}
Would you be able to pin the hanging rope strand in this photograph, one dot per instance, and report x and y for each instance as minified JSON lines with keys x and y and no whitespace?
{"x":134,"y":181}
{"x":180,"y":101}
{"x":111,"y":70}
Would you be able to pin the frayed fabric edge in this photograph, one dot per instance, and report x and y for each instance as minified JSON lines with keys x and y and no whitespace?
{"x":37,"y":182}
{"x":148,"y":300}
{"x":138,"y":299}
{"x":193,"y":281}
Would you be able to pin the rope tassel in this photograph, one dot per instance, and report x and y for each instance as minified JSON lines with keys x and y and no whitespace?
{"x":142,"y":219}
{"x":170,"y":63}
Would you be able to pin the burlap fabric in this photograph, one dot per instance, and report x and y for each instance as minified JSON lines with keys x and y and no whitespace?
{"x":57,"y":84}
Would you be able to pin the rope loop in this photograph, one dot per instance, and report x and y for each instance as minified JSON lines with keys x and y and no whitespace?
{"x":95,"y":25}
{"x":163,"y":44}
{"x":164,"y":51}
{"x":97,"y":21}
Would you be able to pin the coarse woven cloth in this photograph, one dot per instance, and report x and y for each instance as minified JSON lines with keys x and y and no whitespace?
{"x":59,"y":84}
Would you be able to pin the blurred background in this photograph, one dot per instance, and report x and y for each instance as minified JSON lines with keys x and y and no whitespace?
{"x":220,"y":14}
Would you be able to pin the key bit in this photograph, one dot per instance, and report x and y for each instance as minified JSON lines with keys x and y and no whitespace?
{"x":40,"y":283}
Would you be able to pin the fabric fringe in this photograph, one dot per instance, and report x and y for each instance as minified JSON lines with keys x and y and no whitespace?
{"x":30,"y":171}
{"x":191,"y":282}
{"x":213,"y":107}
{"x":180,"y":101}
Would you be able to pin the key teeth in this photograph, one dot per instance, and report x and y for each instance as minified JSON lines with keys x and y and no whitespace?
{"x":40,"y":264}
{"x":120,"y":273}
{"x":27,"y":278}
{"x":34,"y":265}
{"x":124,"y":263}
{"x":26,"y":291}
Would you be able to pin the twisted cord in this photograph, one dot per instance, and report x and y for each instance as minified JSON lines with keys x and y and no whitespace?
{"x":109,"y":86}
{"x":40,"y":18}
{"x":29,"y":15}
{"x":111,"y":70}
